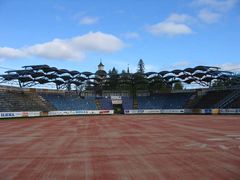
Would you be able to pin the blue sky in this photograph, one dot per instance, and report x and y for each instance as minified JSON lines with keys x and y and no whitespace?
{"x":76,"y":34}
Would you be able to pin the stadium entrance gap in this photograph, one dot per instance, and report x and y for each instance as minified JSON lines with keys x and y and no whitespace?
{"x":117,"y":104}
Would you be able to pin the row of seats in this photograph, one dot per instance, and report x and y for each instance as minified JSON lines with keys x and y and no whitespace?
{"x":127,"y":102}
{"x":105,"y":103}
{"x":164,"y":101}
{"x":70,"y":102}
{"x":74,"y":102}
{"x":21,"y":101}
{"x":11,"y":101}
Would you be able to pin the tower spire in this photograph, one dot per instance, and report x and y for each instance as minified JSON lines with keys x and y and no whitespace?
{"x":100,"y":66}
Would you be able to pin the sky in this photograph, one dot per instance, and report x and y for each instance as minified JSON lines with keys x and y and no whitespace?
{"x":77,"y":34}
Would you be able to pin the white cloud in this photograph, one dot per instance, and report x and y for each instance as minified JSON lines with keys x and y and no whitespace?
{"x":11,"y":53}
{"x":169,"y":28}
{"x":218,"y":5}
{"x":212,"y":10}
{"x":175,"y":24}
{"x":208,"y":16}
{"x":98,"y":42}
{"x":131,"y":35}
{"x":179,"y":18}
{"x":56,"y":49}
{"x":234,"y":67}
{"x":69,"y":49}
{"x":88,"y":20}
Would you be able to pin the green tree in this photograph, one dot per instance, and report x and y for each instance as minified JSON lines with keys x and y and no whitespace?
{"x":114,"y":71}
{"x":178,"y":86}
{"x":157,"y":84}
{"x":124,"y":72}
{"x":113,"y":78}
{"x":141,"y":67}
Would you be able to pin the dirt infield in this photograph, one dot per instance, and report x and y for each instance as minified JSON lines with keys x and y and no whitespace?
{"x":121,"y":147}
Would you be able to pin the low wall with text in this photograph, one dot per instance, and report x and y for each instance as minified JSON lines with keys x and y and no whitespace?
{"x":109,"y":112}
{"x":182,"y":111}
{"x":54,"y":113}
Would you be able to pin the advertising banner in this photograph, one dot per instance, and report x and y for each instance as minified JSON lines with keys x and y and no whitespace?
{"x":215,"y":111}
{"x":229,"y":111}
{"x":79,"y":112}
{"x":154,"y":111}
{"x":206,"y":111}
{"x":20,"y":114}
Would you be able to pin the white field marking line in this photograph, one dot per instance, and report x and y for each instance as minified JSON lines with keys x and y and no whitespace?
{"x":218,"y":139}
{"x":223,"y":147}
{"x":201,"y":145}
{"x":233,"y":135}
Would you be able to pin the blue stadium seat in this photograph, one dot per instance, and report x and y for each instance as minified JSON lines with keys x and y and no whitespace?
{"x":106,"y":103}
{"x":164,"y":101}
{"x":127,"y":103}
{"x":70,"y":102}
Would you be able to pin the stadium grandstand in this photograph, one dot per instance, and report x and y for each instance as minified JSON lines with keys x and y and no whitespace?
{"x":69,"y":130}
{"x":120,"y":90}
{"x":98,"y":92}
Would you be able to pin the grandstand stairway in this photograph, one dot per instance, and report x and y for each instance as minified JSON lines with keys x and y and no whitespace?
{"x":211,"y":98}
{"x":98,"y":104}
{"x":192,"y":101}
{"x":234,"y":104}
{"x":13,"y":101}
{"x":228,"y":99}
{"x":47,"y":104}
{"x":135,"y":103}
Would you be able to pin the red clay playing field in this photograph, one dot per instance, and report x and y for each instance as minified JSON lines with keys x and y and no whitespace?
{"x":121,"y":147}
